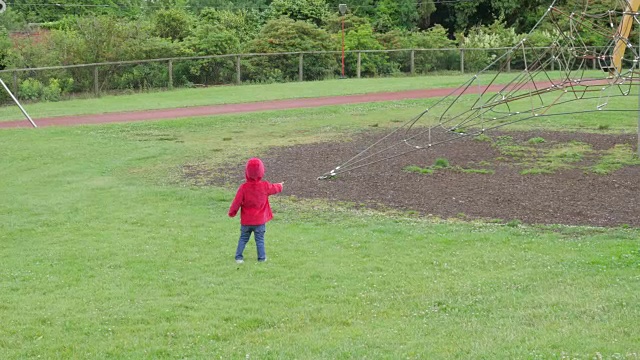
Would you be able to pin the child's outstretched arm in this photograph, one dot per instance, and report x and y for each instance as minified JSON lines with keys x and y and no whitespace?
{"x":275,"y":188}
{"x":237,"y":202}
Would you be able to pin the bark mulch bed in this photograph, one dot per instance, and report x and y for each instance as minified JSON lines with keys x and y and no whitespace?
{"x":573,"y":196}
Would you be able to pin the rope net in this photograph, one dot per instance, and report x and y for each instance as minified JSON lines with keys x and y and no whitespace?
{"x":565,"y":77}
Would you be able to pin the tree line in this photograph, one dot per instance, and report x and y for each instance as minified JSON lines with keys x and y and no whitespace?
{"x":39,"y":33}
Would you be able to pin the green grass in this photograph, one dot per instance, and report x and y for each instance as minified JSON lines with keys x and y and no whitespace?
{"x":228,"y":95}
{"x":108,"y":253}
{"x":260,"y":92}
{"x":616,"y":158}
{"x":443,"y":164}
{"x":561,"y":156}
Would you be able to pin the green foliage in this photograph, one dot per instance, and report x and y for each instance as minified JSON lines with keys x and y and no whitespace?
{"x":53,"y":91}
{"x":334,"y":22}
{"x":245,"y":24}
{"x":174,"y":24}
{"x":33,"y":89}
{"x":53,"y":10}
{"x":286,"y":35}
{"x":8,"y":55}
{"x":200,"y":6}
{"x":211,"y":39}
{"x":372,"y":64}
{"x":12,"y":20}
{"x":462,"y":15}
{"x":497,"y":35}
{"x":313,"y":11}
{"x":430,"y":59}
{"x":396,"y":14}
{"x":108,"y":39}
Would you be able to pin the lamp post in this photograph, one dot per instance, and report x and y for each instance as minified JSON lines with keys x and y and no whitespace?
{"x":343,"y":10}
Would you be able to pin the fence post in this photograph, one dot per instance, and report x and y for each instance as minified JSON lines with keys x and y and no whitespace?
{"x":300,"y":66}
{"x":170,"y":74}
{"x":15,"y":83}
{"x":96,"y":85}
{"x":413,"y":62}
{"x":462,"y":60}
{"x":238,"y":73}
{"x":359,"y":63}
{"x":508,"y":61}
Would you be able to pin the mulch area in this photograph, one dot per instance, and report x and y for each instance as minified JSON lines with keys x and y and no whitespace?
{"x":572,"y":196}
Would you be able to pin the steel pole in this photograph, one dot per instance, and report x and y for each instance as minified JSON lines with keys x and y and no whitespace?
{"x":343,"y":46}
{"x":18,"y":103}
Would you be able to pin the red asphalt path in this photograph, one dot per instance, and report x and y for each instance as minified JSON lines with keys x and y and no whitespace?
{"x":239,"y":108}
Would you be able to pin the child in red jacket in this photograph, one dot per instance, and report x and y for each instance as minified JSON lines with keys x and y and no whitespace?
{"x":252,"y":199}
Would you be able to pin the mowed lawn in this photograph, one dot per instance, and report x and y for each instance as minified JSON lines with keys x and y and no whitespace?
{"x":106,"y":251}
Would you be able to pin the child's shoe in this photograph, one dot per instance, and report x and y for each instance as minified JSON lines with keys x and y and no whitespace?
{"x":239,"y":261}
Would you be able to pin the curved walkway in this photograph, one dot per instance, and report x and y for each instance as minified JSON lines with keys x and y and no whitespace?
{"x":160,"y":114}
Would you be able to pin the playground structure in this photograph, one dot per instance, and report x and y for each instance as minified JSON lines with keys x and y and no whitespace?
{"x":556,"y":81}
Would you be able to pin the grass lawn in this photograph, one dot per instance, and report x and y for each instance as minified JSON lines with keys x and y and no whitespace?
{"x":239,"y":94}
{"x":108,"y":253}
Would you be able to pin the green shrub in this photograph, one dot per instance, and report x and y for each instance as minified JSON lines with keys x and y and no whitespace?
{"x":30,"y":89}
{"x":286,"y":35}
{"x":53,"y":91}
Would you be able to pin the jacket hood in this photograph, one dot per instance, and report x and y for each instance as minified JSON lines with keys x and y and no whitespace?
{"x":254,"y":171}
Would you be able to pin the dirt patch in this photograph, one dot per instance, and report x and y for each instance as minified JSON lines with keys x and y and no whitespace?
{"x":483,"y":180}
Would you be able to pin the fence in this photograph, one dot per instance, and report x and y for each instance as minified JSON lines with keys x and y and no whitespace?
{"x":50,"y":83}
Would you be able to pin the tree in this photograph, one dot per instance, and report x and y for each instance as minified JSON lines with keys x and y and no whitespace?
{"x":7,"y":52}
{"x":459,"y":16}
{"x":211,"y":39}
{"x":174,"y":24}
{"x":313,"y":11}
{"x":287,"y":35}
{"x":244,"y":23}
{"x":42,"y":11}
{"x":372,"y":64}
{"x":253,"y":5}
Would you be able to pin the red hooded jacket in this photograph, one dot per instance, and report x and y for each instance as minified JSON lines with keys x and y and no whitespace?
{"x":252,"y":197}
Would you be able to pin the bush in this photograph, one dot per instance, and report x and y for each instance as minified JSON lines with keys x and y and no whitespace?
{"x":497,"y":35}
{"x":53,"y":91}
{"x":372,"y":63}
{"x":286,"y":35}
{"x":433,"y":60}
{"x":31,"y":89}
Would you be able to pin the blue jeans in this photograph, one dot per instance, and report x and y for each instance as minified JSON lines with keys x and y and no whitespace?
{"x":258,"y":234}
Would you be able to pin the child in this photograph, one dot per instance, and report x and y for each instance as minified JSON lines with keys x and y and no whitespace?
{"x":253,"y":200}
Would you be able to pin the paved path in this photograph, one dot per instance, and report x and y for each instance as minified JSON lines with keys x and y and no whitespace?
{"x":239,"y":108}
